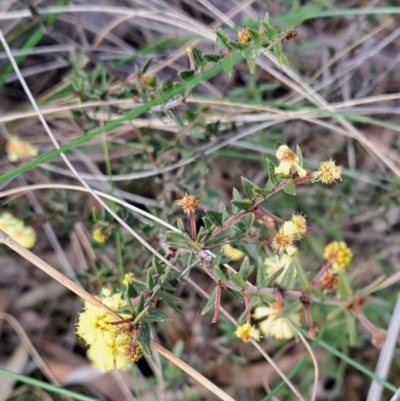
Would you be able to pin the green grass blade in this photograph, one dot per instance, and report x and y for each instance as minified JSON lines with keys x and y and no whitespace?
{"x":45,"y":386}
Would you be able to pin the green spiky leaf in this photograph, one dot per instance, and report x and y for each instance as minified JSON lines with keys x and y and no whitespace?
{"x":156,"y":315}
{"x":249,"y":188}
{"x":289,"y":187}
{"x":144,"y":338}
{"x":186,"y":75}
{"x":216,"y":218}
{"x":198,"y":57}
{"x":271,"y":171}
{"x":242,"y":205}
{"x":210,"y":302}
{"x":212,"y":57}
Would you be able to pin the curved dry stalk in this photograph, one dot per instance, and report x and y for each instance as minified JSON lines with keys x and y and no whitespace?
{"x":315,"y":363}
{"x":104,"y":195}
{"x":27,"y":343}
{"x":56,"y":275}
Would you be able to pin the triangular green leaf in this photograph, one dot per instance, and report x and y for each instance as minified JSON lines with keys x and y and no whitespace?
{"x":236,"y":279}
{"x":211,"y":57}
{"x":178,"y":240}
{"x":242,"y":205}
{"x":198,"y":57}
{"x":210,"y":302}
{"x":289,"y":187}
{"x":216,"y":218}
{"x":236,"y":197}
{"x":245,"y":268}
{"x":299,"y":155}
{"x":271,"y":171}
{"x":156,"y":315}
{"x":144,"y":338}
{"x":186,"y":75}
{"x":249,"y":188}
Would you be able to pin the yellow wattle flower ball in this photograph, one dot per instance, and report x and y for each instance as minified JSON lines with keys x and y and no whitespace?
{"x":20,"y":150}
{"x":233,"y":253}
{"x":15,"y":228}
{"x":109,"y":343}
{"x":339,"y":254}
{"x":246,"y":332}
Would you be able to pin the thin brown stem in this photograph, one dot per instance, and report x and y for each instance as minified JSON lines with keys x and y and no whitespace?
{"x":217,"y":303}
{"x":321,"y":273}
{"x":192,"y":221}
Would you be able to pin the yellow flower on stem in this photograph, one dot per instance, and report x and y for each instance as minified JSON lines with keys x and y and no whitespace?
{"x":283,"y":240}
{"x":301,"y":225}
{"x":189,"y":203}
{"x":339,"y":254}
{"x":246,"y":332}
{"x":288,"y":160}
{"x":275,"y":326}
{"x":99,"y":235}
{"x":110,"y":346}
{"x":327,"y":172}
{"x":128,"y":279}
{"x":20,"y":150}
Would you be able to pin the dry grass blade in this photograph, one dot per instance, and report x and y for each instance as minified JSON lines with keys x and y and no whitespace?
{"x":31,"y":257}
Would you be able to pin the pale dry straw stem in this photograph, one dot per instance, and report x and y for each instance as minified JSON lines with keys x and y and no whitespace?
{"x":56,"y":275}
{"x":306,"y":91}
{"x":386,"y":354}
{"x":112,"y":198}
{"x":27,"y":343}
{"x":348,"y":48}
{"x":315,"y":363}
{"x":129,"y":104}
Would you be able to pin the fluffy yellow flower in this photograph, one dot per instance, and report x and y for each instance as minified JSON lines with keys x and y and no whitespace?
{"x":99,"y":235}
{"x":109,"y":344}
{"x":288,"y":160}
{"x":283,"y":240}
{"x":275,"y":326}
{"x":327,"y":172}
{"x":275,"y":263}
{"x":15,"y":228}
{"x":128,"y":279}
{"x":339,"y":254}
{"x":246,"y":332}
{"x":189,"y":203}
{"x":243,"y":36}
{"x":233,"y":253}
{"x":301,"y":225}
{"x":18,"y":149}
{"x":110,"y":355}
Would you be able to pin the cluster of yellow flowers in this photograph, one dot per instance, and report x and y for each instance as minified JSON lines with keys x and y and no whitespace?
{"x":20,"y":150}
{"x":290,"y":231}
{"x":272,"y":325}
{"x":338,"y":254}
{"x":289,"y":163}
{"x":15,"y":228}
{"x":110,"y":345}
